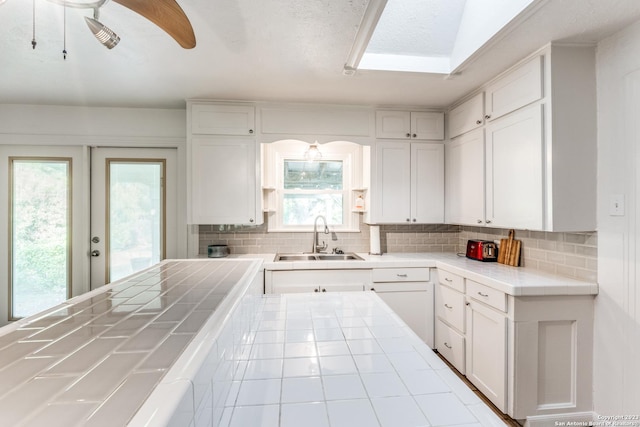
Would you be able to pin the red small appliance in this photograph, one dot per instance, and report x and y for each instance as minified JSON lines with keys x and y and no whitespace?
{"x":482,"y":250}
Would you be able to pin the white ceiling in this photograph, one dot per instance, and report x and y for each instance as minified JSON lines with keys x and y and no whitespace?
{"x":275,"y":50}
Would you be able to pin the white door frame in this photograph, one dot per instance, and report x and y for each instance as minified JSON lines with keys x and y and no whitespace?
{"x":79,"y":212}
{"x":100,"y":156}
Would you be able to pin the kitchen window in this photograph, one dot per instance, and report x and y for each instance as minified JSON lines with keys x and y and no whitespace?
{"x":305,"y":189}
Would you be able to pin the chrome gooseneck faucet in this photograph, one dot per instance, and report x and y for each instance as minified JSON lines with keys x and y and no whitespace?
{"x":317,"y":247}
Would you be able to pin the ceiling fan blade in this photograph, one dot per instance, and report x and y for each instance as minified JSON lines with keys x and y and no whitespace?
{"x":166,"y":14}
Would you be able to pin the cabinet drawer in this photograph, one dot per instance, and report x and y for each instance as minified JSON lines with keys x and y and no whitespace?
{"x":450,"y":307}
{"x":400,"y":286}
{"x":450,"y":344}
{"x":400,"y":274}
{"x":487,"y":295}
{"x":452,"y":280}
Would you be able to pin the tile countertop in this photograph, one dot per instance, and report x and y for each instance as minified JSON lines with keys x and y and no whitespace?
{"x":191,"y":342}
{"x":516,"y":281}
{"x":344,"y":359}
{"x":95,"y":359}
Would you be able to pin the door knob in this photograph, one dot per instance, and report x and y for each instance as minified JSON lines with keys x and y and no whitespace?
{"x":95,"y":252}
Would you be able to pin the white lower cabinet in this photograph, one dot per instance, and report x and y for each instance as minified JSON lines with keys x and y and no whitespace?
{"x":530,"y":355}
{"x":486,"y":351}
{"x":297,"y":281}
{"x":450,"y":319}
{"x":450,"y":343}
{"x":410,"y":294}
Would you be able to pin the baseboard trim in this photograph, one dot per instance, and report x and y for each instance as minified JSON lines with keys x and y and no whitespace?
{"x":575,"y":419}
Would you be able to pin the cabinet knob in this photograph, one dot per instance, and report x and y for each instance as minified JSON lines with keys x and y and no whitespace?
{"x":487,"y":117}
{"x":251,"y":131}
{"x":408,"y":220}
{"x":316,"y":290}
{"x":478,"y":122}
{"x":414,"y":220}
{"x":467,"y":303}
{"x":488,"y":221}
{"x":479,"y":221}
{"x":250,"y":219}
{"x":414,"y":135}
{"x":373,"y":289}
{"x":324,"y":290}
{"x":408,"y":135}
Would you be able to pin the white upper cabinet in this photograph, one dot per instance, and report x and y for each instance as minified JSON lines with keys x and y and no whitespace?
{"x":427,"y":183}
{"x":223,"y":168}
{"x":467,"y":116}
{"x":408,"y":183}
{"x":540,"y":155}
{"x":464,"y":180}
{"x":421,"y":125}
{"x":224,"y":184}
{"x":514,"y":163}
{"x":216,"y":119}
{"x":515,"y":90}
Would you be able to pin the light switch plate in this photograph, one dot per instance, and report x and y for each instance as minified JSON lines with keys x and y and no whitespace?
{"x":616,"y":205}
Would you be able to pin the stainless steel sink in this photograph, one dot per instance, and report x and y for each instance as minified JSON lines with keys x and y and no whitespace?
{"x":338,"y":257}
{"x":318,"y":257}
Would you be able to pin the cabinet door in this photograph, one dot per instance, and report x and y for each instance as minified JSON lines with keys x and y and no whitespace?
{"x":450,"y":344}
{"x":208,"y":119}
{"x":427,"y":183}
{"x":520,"y":87}
{"x":392,"y":193}
{"x":467,"y":116}
{"x":413,"y":303}
{"x":464,"y":181}
{"x":514,"y":170}
{"x":426,"y":125}
{"x":486,"y":352}
{"x":224,"y":181}
{"x":393,"y":124}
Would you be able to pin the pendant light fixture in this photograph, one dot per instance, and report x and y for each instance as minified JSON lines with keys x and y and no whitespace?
{"x":313,"y":153}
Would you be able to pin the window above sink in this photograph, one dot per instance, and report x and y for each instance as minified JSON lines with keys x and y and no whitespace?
{"x":299,"y":190}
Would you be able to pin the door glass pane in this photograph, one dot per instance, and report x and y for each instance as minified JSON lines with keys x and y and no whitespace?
{"x":135,"y":216}
{"x":40,"y":234}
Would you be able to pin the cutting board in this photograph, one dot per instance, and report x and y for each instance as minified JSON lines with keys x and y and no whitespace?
{"x":509,"y":251}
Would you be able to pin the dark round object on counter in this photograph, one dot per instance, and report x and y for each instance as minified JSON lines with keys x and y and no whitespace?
{"x":217,"y":251}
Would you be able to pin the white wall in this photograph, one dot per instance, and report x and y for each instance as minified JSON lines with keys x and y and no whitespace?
{"x":617,"y":310}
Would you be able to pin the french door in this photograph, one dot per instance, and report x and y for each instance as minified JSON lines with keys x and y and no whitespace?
{"x":133,"y":210}
{"x":74,"y":218}
{"x":43,"y":218}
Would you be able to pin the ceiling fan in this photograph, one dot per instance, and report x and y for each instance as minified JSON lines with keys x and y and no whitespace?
{"x":166,"y":14}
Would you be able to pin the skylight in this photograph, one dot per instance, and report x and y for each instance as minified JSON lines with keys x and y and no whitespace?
{"x":428,"y":36}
